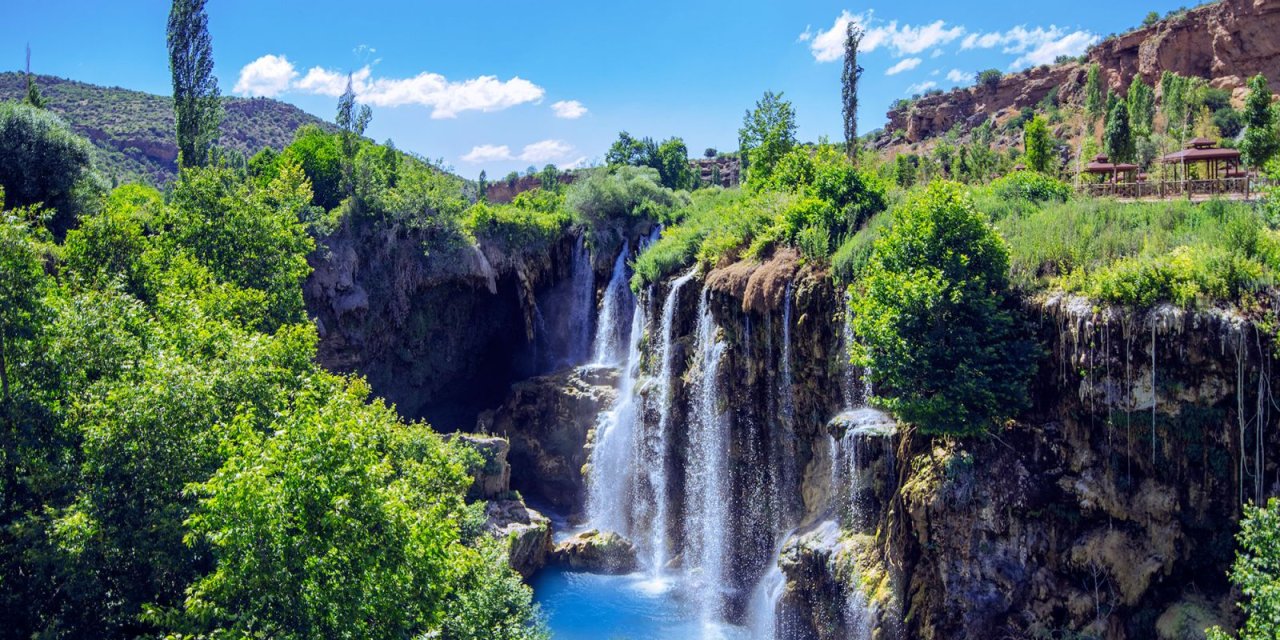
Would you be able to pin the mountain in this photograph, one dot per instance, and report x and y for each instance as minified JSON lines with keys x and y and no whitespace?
{"x":1225,"y":42}
{"x":133,"y":131}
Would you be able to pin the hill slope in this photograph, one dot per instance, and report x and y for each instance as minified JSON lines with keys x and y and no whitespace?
{"x":133,"y":131}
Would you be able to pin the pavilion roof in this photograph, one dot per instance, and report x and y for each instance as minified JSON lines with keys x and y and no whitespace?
{"x":1200,"y":155}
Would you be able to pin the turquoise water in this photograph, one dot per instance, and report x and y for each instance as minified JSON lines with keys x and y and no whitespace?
{"x":583,"y":606}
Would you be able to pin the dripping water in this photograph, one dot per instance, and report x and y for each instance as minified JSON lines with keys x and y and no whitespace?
{"x":611,"y":332}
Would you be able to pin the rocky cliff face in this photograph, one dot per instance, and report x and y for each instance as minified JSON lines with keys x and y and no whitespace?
{"x":1226,"y":42}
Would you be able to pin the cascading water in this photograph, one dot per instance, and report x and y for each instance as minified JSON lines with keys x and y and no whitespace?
{"x":611,"y":332}
{"x":612,"y":481}
{"x":849,"y":373}
{"x":706,"y":517}
{"x":653,"y":450}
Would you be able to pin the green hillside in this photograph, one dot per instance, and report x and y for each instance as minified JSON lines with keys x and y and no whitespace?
{"x":133,"y":131}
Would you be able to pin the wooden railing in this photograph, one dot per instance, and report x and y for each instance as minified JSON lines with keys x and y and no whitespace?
{"x":1246,"y":187}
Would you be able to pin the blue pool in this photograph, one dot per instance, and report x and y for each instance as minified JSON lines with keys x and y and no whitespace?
{"x":582,"y":606}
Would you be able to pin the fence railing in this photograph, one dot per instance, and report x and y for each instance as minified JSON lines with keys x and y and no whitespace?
{"x":1247,"y":187}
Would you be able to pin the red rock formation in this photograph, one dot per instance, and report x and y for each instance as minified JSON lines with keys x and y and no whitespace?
{"x":1225,"y":42}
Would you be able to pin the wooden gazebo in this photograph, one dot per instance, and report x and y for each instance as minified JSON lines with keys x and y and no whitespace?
{"x":1219,"y":163}
{"x":1109,"y":171}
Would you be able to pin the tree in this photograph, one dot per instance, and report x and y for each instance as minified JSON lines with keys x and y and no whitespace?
{"x":768,"y":132}
{"x":1093,"y":104}
{"x":482,"y":186}
{"x":43,"y":163}
{"x":22,"y":281}
{"x":549,"y":178}
{"x":1151,"y":18}
{"x":673,"y":165}
{"x":934,"y":320}
{"x":989,"y":79}
{"x":197,"y":108}
{"x":1260,"y":141}
{"x":1141,"y":103}
{"x":352,"y":120}
{"x":1256,"y":572}
{"x":320,"y":155}
{"x":1175,"y":101}
{"x":709,"y":153}
{"x":33,"y":97}
{"x":849,"y":88}
{"x":1038,"y":146}
{"x":1117,"y":138}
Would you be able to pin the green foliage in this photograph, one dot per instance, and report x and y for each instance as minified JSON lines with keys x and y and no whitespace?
{"x":610,"y":202}
{"x":43,"y":163}
{"x":21,"y":291}
{"x":1117,"y":138}
{"x":768,"y":133}
{"x":670,"y":159}
{"x":989,"y":79}
{"x":932,"y":320}
{"x":532,"y":222}
{"x":1141,"y":103}
{"x":1178,"y":101}
{"x":490,"y":601}
{"x":197,"y":109}
{"x":320,"y":156}
{"x":1261,"y":141}
{"x":1142,"y":253}
{"x":1032,"y":186}
{"x":849,"y":77}
{"x":716,"y":224}
{"x":1038,"y":146}
{"x":1093,"y":100}
{"x":904,"y":173}
{"x":1256,"y":572}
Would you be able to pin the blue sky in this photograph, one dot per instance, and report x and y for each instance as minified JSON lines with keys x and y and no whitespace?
{"x":503,"y":85}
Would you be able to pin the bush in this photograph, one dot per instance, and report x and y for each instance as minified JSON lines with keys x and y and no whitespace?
{"x":42,"y":162}
{"x":932,"y":318}
{"x":530,"y":224}
{"x":990,"y":78}
{"x":1032,"y":186}
{"x":1256,"y":572}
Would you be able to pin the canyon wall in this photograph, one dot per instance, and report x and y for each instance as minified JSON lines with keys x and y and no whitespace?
{"x":1225,"y":42}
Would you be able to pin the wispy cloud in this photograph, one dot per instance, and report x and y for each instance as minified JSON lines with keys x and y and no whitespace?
{"x":921,"y":87}
{"x":272,"y":75}
{"x":956,"y":75}
{"x":906,"y":64}
{"x":569,"y":109}
{"x":900,"y":39}
{"x":537,"y":152}
{"x":1041,"y":45}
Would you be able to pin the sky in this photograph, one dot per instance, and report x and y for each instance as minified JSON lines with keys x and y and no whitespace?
{"x":501,"y":86}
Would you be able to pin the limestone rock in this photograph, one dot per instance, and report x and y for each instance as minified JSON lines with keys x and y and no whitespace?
{"x":597,"y":552}
{"x":528,"y":534}
{"x":492,"y":480}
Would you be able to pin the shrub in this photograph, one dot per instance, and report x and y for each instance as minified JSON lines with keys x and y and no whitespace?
{"x":1030,"y":185}
{"x":990,"y":78}
{"x":42,"y":162}
{"x":932,"y":320}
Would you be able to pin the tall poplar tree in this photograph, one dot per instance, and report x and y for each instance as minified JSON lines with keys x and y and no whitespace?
{"x":33,"y":97}
{"x":1093,"y":102}
{"x":197,"y":107}
{"x":849,"y":79}
{"x":1260,"y":141}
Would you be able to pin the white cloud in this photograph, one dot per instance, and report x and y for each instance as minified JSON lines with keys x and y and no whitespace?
{"x":569,"y":109}
{"x":921,"y":87}
{"x":546,"y":151}
{"x":488,"y":153}
{"x":904,"y":40}
{"x":272,"y":75}
{"x":267,"y":76}
{"x":906,"y":64}
{"x":807,"y":35}
{"x":956,"y":75}
{"x":576,"y":164}
{"x":937,"y":53}
{"x":1035,"y":46}
{"x":537,"y":153}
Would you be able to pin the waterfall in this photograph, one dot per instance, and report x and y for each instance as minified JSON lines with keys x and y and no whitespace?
{"x":848,"y":373}
{"x":583,"y":304}
{"x":707,"y":475}
{"x":767,"y":597}
{"x":611,"y":335}
{"x":611,"y":484}
{"x":786,"y":389}
{"x":655,"y":446}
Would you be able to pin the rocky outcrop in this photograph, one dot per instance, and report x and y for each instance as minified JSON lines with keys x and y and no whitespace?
{"x":547,"y":419}
{"x":1226,"y":42}
{"x":597,"y":552}
{"x":492,"y":478}
{"x":527,"y":532}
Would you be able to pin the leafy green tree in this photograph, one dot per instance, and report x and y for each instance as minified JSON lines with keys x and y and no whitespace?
{"x":1117,"y":138}
{"x":904,"y":170}
{"x":933,"y":318}
{"x":1151,"y":18}
{"x":1038,"y":146}
{"x":1177,"y":95}
{"x":673,"y":165}
{"x":849,"y":88}
{"x":1260,"y":141}
{"x":1141,"y":103}
{"x":352,"y":120}
{"x":43,"y":163}
{"x":768,"y":132}
{"x":491,"y":603}
{"x":197,"y":109}
{"x":22,"y":284}
{"x":549,"y":178}
{"x":1093,"y":98}
{"x":320,"y":156}
{"x":1256,"y":573}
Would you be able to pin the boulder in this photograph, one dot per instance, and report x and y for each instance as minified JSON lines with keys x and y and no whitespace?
{"x":528,"y":534}
{"x":492,"y":479}
{"x":597,"y":552}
